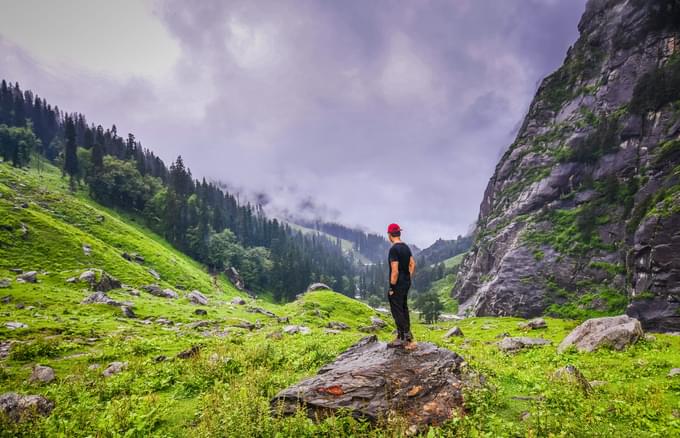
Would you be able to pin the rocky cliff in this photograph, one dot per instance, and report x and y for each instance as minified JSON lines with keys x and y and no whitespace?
{"x":582,"y":214}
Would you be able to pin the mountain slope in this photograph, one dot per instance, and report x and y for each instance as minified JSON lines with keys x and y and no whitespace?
{"x":581,"y":215}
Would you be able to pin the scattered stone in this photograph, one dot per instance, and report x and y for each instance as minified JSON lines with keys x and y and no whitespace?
{"x":275,"y":335}
{"x":24,"y":205}
{"x":114,"y":368}
{"x":292,"y":329}
{"x":71,"y":280}
{"x":318,"y":286}
{"x":145,"y":321}
{"x":368,"y":328}
{"x":128,"y":312}
{"x":160,"y":358}
{"x":674,"y":372}
{"x":197,"y":297}
{"x":524,"y":416}
{"x":487,"y":327}
{"x":133,"y":292}
{"x":202,"y":323}
{"x":283,"y":320}
{"x":94,"y":367}
{"x":106,"y":283}
{"x":616,"y":332}
{"x":262,"y":311}
{"x":200,"y":312}
{"x":16,"y":270}
{"x":512,"y":345}
{"x":5,"y":283}
{"x":596,"y":383}
{"x":571,"y":374}
{"x":87,"y":249}
{"x":192,"y":352}
{"x":377,"y":322}
{"x":12,"y":325}
{"x":5,"y":346}
{"x":455,"y":331}
{"x":154,"y":274}
{"x":138,"y":258}
{"x":238,"y":301}
{"x":337,"y":325}
{"x":19,"y":407}
{"x":156,"y":290}
{"x":42,"y":374}
{"x":100,"y":298}
{"x":28,"y":277}
{"x":426,"y":385}
{"x":6,"y":299}
{"x":163,"y":321}
{"x":536,"y":323}
{"x":245,"y":325}
{"x":88,"y":277}
{"x":502,"y":335}
{"x":126,"y":256}
{"x":24,"y":230}
{"x":331,"y":331}
{"x":649,"y":338}
{"x":19,"y":306}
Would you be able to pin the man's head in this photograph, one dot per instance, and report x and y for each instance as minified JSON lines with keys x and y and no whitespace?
{"x":394,"y":233}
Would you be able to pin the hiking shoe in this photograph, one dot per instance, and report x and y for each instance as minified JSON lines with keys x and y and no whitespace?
{"x":396,"y":343}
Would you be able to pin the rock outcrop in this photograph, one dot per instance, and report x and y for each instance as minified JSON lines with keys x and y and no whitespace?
{"x":372,"y":381}
{"x":582,"y":209}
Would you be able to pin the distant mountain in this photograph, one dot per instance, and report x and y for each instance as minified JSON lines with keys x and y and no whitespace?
{"x":442,"y":250}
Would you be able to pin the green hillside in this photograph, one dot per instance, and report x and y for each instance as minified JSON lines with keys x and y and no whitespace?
{"x":347,"y":246}
{"x":243,"y":357}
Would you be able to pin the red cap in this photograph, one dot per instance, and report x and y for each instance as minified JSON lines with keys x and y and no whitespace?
{"x":393,"y":228}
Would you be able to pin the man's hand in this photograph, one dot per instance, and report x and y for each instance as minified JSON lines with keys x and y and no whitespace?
{"x":412,"y":266}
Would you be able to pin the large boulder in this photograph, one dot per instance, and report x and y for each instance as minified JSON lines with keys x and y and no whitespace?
{"x":236,"y":278}
{"x":18,"y":407}
{"x":616,"y":332}
{"x":371,"y":380}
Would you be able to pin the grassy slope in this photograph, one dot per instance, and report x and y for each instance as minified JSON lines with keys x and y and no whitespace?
{"x":225,"y":390}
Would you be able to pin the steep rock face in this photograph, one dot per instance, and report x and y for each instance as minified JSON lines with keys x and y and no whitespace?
{"x":582,"y":214}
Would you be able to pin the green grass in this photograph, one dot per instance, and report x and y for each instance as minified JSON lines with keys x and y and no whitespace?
{"x":225,"y":390}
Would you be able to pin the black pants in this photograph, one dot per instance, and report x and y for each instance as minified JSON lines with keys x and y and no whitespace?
{"x":399,"y":307}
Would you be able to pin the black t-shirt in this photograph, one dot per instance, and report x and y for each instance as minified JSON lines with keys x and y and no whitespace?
{"x":400,"y":252}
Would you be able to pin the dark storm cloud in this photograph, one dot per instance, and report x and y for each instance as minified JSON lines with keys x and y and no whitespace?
{"x":362,"y":112}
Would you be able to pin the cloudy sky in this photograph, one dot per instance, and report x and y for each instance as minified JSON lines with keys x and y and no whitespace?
{"x":362,"y":112}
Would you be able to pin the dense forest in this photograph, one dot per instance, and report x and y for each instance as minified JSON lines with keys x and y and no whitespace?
{"x":373,"y":246}
{"x":197,"y":217}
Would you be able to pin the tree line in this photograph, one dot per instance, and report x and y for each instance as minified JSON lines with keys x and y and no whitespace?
{"x":197,"y":217}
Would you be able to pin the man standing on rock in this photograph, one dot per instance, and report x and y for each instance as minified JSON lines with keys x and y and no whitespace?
{"x":402,"y":266}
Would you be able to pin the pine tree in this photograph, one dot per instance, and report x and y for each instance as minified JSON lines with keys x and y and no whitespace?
{"x":70,"y":151}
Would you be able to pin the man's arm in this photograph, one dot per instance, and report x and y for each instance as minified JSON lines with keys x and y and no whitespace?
{"x":394,"y":272}
{"x":412,"y":266}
